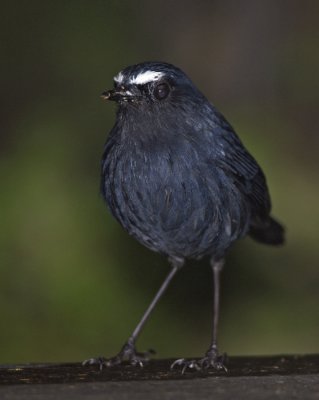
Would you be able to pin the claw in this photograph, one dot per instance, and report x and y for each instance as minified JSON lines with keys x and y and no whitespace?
{"x":127,"y":354}
{"x":180,"y":361}
{"x":211,"y":360}
{"x":191,"y":364}
{"x":100,"y":361}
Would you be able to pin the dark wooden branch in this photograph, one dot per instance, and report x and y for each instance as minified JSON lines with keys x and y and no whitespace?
{"x":255,"y":376}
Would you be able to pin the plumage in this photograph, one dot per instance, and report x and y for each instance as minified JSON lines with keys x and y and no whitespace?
{"x":178,"y":179}
{"x":175,"y":174}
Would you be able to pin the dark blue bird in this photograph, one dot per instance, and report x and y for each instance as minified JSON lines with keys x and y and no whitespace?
{"x":178,"y":179}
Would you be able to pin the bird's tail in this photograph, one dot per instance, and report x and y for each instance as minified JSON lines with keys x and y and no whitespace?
{"x":270,"y":232}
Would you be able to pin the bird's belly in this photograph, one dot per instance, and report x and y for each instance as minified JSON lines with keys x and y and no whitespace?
{"x":177,"y":215}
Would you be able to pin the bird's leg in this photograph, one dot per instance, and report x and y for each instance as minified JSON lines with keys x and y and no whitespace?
{"x":128,"y":351}
{"x":212,"y":357}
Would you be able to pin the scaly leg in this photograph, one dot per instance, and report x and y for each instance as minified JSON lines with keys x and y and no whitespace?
{"x":212,"y":357}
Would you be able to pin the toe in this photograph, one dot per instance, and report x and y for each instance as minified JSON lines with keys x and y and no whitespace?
{"x":100,"y":361}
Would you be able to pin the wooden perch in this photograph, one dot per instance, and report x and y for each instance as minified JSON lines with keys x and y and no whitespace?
{"x":247,"y":378}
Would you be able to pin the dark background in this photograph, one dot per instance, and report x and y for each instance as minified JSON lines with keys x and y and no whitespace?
{"x":72,"y":283}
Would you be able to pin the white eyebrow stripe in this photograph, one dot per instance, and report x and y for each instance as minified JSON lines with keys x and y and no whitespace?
{"x":146,"y":77}
{"x":119,"y":77}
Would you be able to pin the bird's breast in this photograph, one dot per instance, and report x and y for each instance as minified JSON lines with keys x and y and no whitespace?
{"x":170,"y":201}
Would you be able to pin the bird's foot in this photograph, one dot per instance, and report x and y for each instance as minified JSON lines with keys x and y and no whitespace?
{"x":212,"y":359}
{"x":127,"y":354}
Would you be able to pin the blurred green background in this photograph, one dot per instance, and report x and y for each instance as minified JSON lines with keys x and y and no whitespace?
{"x":72,"y":283}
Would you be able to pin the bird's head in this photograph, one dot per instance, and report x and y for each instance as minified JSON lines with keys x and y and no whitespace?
{"x":152,"y":85}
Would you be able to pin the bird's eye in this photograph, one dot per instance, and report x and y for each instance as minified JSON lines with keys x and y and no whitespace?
{"x":161,"y":91}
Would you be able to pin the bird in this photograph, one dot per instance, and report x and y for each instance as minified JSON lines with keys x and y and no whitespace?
{"x":179,"y":180}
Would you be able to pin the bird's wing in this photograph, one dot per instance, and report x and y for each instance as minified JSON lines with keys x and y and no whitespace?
{"x":235,"y":161}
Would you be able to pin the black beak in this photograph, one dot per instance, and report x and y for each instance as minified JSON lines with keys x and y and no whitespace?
{"x":117,"y":94}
